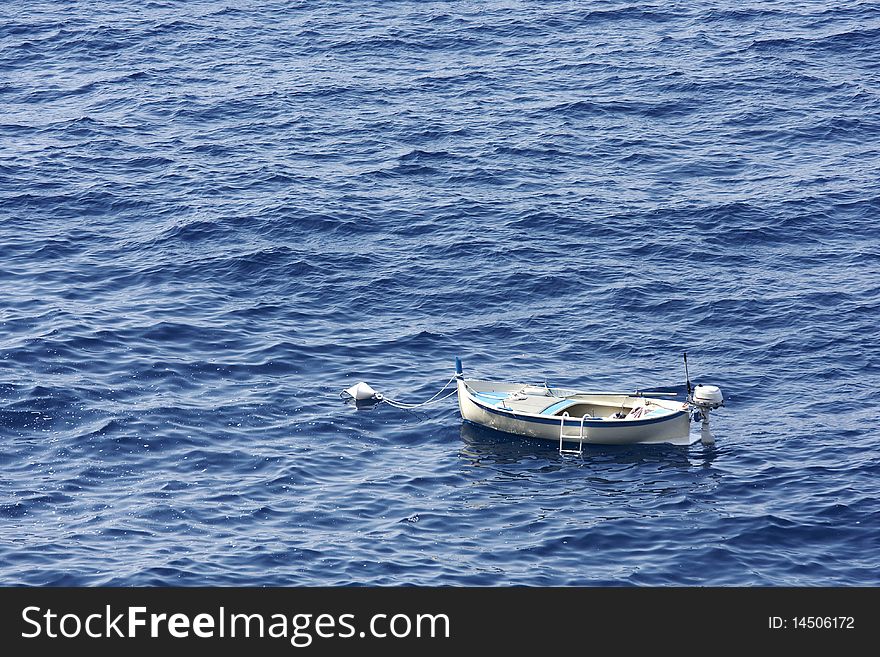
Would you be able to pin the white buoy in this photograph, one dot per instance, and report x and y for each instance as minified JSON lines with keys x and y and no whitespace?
{"x":361,"y":392}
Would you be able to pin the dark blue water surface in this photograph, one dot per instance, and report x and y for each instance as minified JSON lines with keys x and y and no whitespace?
{"x":216,"y":215}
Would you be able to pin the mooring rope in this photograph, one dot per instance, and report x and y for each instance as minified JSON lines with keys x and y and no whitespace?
{"x":407,"y":407}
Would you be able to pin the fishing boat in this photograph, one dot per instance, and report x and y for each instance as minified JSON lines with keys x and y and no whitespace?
{"x":576,"y":418}
{"x":571,"y":417}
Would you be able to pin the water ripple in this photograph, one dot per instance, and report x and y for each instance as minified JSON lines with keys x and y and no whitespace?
{"x":212,"y":224}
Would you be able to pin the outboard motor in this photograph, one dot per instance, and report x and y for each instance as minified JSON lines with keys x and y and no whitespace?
{"x":705,"y":399}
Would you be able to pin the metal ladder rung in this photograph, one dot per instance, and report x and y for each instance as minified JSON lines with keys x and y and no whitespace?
{"x":563,"y":437}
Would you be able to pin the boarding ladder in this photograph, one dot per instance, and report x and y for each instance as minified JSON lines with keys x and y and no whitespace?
{"x":579,"y":438}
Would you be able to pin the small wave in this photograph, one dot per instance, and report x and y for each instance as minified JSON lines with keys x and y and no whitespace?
{"x":211,"y":224}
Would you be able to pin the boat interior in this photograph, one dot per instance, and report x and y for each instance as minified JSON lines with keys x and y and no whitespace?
{"x":541,"y":400}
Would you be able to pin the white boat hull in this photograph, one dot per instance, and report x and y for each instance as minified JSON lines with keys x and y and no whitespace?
{"x":672,"y":425}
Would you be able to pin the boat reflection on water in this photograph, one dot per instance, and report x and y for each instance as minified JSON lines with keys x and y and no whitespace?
{"x":484,"y":446}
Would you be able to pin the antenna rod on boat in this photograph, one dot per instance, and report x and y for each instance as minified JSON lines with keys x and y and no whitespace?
{"x":686,"y":375}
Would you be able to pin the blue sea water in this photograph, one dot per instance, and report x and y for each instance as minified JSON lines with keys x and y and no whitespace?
{"x":214,"y":216}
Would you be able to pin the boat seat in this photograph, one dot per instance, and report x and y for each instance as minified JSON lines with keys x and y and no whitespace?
{"x":556,"y":407}
{"x":493,"y":398}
